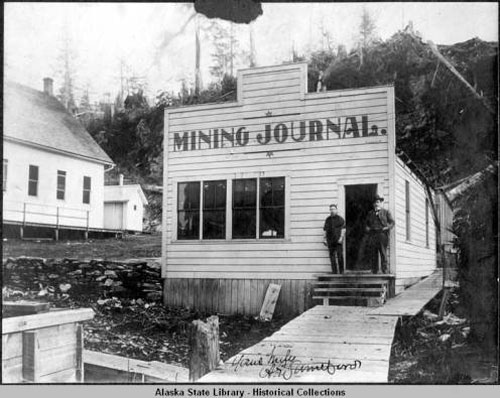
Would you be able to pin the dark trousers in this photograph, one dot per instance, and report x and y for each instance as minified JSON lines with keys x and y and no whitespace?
{"x":379,"y":242}
{"x":336,"y":253}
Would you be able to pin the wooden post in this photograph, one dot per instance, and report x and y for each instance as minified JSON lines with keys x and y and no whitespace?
{"x":204,"y":353}
{"x":31,"y":357}
{"x":57,"y":224}
{"x":87,"y":230}
{"x":79,"y":354}
{"x":24,"y":221}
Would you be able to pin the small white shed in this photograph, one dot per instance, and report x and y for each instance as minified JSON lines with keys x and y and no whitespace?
{"x":124,"y":207}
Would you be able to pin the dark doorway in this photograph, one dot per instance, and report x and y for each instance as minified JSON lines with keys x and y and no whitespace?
{"x":358,"y":202}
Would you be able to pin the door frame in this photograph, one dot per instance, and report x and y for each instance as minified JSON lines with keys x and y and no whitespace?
{"x":379,"y":181}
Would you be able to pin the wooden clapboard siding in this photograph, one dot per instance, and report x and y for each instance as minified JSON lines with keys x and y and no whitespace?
{"x":240,"y":296}
{"x":232,"y":275}
{"x":414,"y":258}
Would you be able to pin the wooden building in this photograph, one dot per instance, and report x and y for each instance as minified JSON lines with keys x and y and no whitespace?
{"x":53,"y":170}
{"x":248,"y":186}
{"x":124,"y":206}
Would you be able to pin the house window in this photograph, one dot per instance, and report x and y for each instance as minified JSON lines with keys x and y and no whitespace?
{"x":33,"y":181}
{"x":86,"y":189}
{"x":214,"y":209}
{"x":407,"y":209}
{"x":244,"y":208}
{"x":188,"y":210}
{"x":4,"y":175}
{"x":426,"y":222}
{"x":61,"y":184}
{"x":272,"y":208}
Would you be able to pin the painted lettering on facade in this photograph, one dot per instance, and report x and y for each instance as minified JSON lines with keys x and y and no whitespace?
{"x":277,"y":133}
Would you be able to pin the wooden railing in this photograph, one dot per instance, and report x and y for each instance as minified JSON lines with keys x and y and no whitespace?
{"x":35,"y":213}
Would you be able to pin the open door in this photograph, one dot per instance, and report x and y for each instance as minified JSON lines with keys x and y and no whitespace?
{"x":358,"y":202}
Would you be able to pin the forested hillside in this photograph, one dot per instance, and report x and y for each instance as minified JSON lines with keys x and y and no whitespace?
{"x":441,"y":125}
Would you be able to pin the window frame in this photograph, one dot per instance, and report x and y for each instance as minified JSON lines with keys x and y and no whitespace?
{"x":172,"y":236}
{"x":260,"y":207}
{"x":33,"y":181}
{"x":257,"y":210}
{"x":87,"y":190}
{"x":63,"y":174}
{"x":203,"y":209}
{"x":200,"y":209}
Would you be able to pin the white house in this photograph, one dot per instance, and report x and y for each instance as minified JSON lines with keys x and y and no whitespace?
{"x":124,"y":206}
{"x":248,"y":185}
{"x":53,"y":170}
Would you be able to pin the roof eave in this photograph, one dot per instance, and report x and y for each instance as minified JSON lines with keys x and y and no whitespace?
{"x":60,"y":151}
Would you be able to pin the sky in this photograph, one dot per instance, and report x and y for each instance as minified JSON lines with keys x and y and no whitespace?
{"x":105,"y":36}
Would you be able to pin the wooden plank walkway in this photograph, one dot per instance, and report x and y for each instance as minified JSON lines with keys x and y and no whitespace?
{"x":411,"y":301}
{"x":328,"y":344}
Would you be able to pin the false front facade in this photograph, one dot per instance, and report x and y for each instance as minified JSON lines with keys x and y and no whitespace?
{"x":248,"y":186}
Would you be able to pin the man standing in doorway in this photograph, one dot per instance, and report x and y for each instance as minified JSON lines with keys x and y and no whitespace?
{"x":334,"y":236}
{"x":378,"y":224}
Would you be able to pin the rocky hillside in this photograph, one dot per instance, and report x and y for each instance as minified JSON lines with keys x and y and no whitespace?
{"x":441,"y":124}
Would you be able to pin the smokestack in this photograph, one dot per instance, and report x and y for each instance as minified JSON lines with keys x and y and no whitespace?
{"x":120,"y":179}
{"x":48,"y":86}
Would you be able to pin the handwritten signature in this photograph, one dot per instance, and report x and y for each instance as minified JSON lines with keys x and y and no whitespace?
{"x":286,"y":366}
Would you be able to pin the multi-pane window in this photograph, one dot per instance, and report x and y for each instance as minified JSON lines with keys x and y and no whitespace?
{"x":214,"y":209}
{"x":426,"y":222}
{"x":272,"y":208}
{"x":86,"y":189}
{"x":188,"y":210}
{"x":271,"y":205}
{"x":61,"y":184}
{"x":407,"y":210}
{"x":258,"y":209}
{"x":4,"y":174}
{"x":33,"y":181}
{"x":244,"y":208}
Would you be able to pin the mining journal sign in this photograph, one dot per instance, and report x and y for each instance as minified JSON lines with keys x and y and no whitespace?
{"x":333,"y":127}
{"x":248,"y":185}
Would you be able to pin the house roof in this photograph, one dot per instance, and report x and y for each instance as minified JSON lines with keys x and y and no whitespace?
{"x":37,"y":119}
{"x":123,"y":193}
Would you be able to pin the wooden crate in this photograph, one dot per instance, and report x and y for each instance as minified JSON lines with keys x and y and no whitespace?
{"x":44,"y":348}
{"x":107,"y":368}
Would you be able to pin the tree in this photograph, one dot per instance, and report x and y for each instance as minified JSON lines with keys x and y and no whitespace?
{"x":66,"y":72}
{"x":228,"y":53}
{"x":367,"y":31}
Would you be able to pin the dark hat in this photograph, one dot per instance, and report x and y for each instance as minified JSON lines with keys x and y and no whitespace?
{"x":377,"y":199}
{"x":333,"y":205}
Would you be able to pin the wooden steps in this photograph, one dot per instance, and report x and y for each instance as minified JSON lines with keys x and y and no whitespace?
{"x":358,"y":289}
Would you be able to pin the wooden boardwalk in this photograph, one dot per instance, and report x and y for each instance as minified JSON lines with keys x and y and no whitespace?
{"x":411,"y":301}
{"x":327,"y":344}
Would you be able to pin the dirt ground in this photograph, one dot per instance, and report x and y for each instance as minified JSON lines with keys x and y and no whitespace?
{"x":425,"y":351}
{"x":131,"y":246}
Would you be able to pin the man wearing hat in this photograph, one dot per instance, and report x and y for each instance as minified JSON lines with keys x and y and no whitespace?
{"x":378,"y":224}
{"x":334,"y":236}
